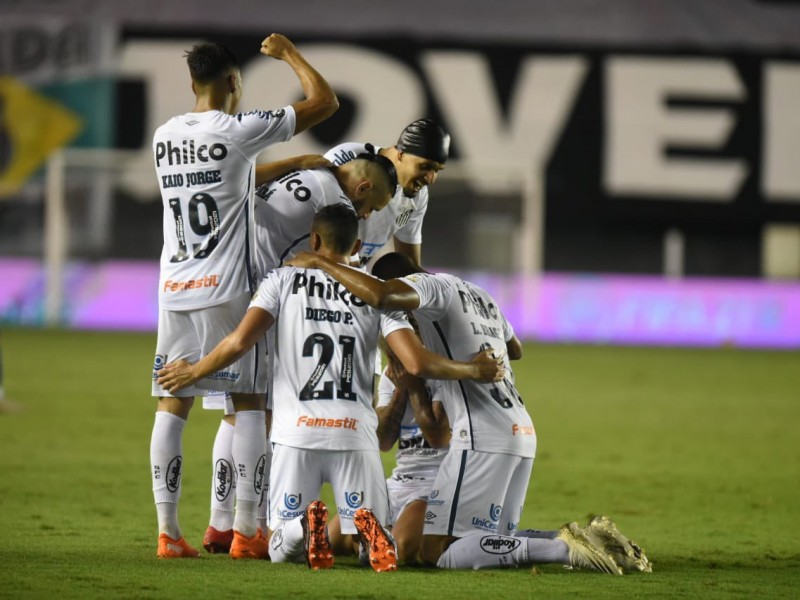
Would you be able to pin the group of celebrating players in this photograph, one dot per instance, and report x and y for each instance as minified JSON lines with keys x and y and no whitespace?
{"x":268,"y":311}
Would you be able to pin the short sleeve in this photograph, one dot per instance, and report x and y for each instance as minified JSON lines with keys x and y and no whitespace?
{"x":267,"y":296}
{"x":392,"y":321}
{"x":386,"y":390}
{"x":433,"y":291}
{"x":259,"y":129}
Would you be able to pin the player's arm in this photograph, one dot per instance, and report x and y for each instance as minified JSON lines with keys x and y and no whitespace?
{"x":514,"y":348}
{"x":412,"y":251}
{"x":421,"y":362}
{"x":390,"y":416}
{"x":266,"y":172}
{"x":429,"y":415}
{"x":389,"y":419}
{"x":180,"y":373}
{"x":393,"y":294}
{"x":320,"y":101}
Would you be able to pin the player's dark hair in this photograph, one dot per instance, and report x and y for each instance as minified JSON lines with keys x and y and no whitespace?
{"x":337,"y":225}
{"x":387,"y":167}
{"x":425,"y":138}
{"x":394,"y":265}
{"x":210,"y":62}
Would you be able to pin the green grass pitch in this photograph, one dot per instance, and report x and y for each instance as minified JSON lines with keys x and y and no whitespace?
{"x":694,"y":453}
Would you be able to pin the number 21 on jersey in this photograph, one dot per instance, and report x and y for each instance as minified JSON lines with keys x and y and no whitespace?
{"x":345,"y":385}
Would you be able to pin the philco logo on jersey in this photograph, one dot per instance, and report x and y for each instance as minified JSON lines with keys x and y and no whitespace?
{"x":478,"y":306}
{"x":522,"y":429}
{"x":192,"y":284}
{"x":328,"y":289}
{"x":186,"y":153}
{"x":347,"y":423}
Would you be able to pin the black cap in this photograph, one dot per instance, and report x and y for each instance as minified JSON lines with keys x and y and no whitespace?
{"x":385,"y":163}
{"x":425,"y":138}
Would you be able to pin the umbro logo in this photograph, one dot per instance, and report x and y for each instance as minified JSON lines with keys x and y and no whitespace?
{"x":192,"y":122}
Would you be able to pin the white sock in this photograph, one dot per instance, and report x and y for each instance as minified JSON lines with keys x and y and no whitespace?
{"x":286,"y":542}
{"x":249,"y":454}
{"x":263,"y":505}
{"x":223,"y":481}
{"x":487,"y":551}
{"x":536,"y":533}
{"x":166,"y":449}
{"x":261,"y":515}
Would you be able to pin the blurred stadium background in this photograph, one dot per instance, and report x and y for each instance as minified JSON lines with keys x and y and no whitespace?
{"x":622,"y":171}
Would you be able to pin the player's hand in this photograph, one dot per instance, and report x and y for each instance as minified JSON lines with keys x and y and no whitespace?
{"x":277,"y":46}
{"x":304,"y":260}
{"x":491,"y":368}
{"x":312,"y":161}
{"x":175,"y":375}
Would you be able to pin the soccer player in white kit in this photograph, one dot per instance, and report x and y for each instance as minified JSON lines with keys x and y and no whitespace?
{"x":205,"y":164}
{"x":323,"y":421}
{"x":284,"y":210}
{"x":411,"y":414}
{"x":419,"y":154}
{"x":477,"y":498}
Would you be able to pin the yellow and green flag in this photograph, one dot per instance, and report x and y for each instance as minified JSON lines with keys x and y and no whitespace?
{"x":31,"y":127}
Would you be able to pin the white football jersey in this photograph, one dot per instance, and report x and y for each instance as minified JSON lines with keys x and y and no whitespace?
{"x":415,"y":456}
{"x":284,"y":211}
{"x":325,"y":348}
{"x":401,"y":218}
{"x":205,"y":163}
{"x":459,"y":319}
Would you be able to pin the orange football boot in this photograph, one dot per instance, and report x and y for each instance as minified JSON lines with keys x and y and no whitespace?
{"x":379,"y":542}
{"x":169,"y":548}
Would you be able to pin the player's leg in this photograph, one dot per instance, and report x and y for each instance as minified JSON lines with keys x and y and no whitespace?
{"x":175,"y":341}
{"x":482,"y":543}
{"x":263,"y":506}
{"x":219,"y":534}
{"x":297,"y":477}
{"x":408,"y":496}
{"x":249,"y":452}
{"x":246,"y":381}
{"x":407,"y":531}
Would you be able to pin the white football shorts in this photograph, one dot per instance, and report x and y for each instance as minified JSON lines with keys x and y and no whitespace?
{"x":297,"y":475}
{"x":191,"y":334}
{"x":477,"y":492}
{"x":405,"y":489}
